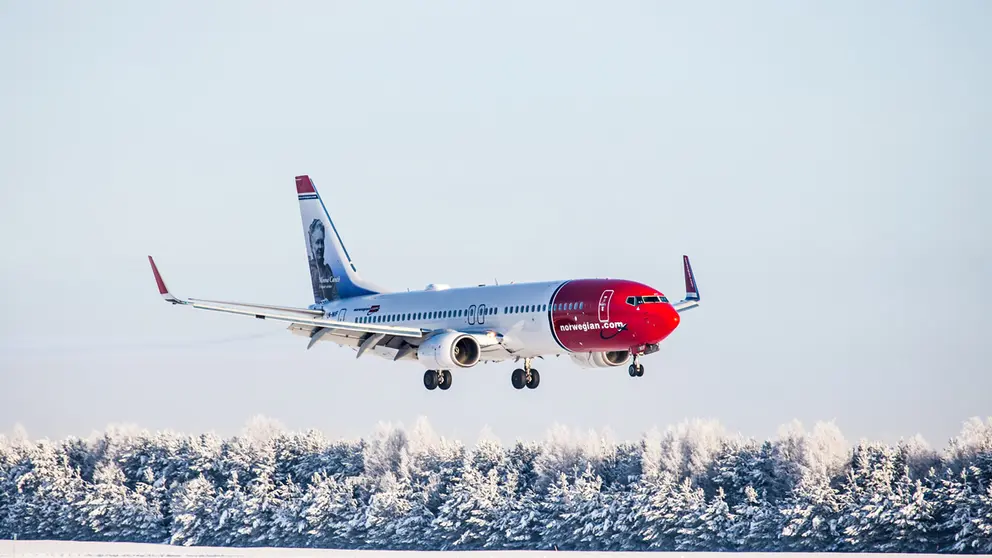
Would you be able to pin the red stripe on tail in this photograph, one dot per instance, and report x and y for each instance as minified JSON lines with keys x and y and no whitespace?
{"x":304,"y":185}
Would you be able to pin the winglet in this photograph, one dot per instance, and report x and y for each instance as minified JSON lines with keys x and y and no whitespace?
{"x":162,"y":290}
{"x":691,"y":291}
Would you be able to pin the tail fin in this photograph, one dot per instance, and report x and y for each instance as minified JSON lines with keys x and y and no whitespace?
{"x":332,"y":274}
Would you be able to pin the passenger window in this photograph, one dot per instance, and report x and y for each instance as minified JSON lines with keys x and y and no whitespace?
{"x":581,"y":304}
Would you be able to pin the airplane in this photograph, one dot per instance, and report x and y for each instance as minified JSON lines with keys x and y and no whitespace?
{"x":598,"y":323}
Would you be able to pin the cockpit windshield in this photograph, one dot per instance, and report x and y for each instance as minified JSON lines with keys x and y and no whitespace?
{"x":650,"y":299}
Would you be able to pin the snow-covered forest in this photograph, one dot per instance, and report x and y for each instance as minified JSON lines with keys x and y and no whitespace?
{"x":690,"y":487}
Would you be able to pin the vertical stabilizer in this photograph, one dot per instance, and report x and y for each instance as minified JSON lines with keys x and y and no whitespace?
{"x":332,"y":274}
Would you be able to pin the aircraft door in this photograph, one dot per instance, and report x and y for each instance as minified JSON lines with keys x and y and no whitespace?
{"x":482,"y":314}
{"x":471,"y":314}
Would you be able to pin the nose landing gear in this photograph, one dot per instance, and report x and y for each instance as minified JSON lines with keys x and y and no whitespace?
{"x":526,"y":377}
{"x":635,"y":370}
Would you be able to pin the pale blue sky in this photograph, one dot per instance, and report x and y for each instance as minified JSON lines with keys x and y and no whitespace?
{"x":826,"y":165}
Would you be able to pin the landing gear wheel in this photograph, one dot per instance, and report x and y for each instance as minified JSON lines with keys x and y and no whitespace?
{"x":518,"y":378}
{"x":534,"y":380}
{"x":430,"y":379}
{"x":445,"y":380}
{"x":640,"y":370}
{"x":632,"y":370}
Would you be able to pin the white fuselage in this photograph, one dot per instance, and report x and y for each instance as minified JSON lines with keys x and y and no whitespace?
{"x":519,"y":312}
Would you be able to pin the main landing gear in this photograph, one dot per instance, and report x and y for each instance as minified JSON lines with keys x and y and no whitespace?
{"x":635,"y":370}
{"x":526,"y":377}
{"x":437,"y":379}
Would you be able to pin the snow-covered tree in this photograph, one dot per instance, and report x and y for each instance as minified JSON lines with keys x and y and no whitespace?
{"x":468,"y":513}
{"x":331,"y":511}
{"x":518,"y":521}
{"x":114,"y":512}
{"x":756,"y":525}
{"x":810,"y":515}
{"x":193,"y":510}
{"x":653,"y":511}
{"x":983,"y":523}
{"x":397,"y":517}
{"x":705,"y":525}
{"x":688,"y":488}
{"x":577,"y":516}
{"x":960,"y":507}
{"x":288,"y":525}
{"x":47,"y":495}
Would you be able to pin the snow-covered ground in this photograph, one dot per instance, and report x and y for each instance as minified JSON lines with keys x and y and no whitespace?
{"x":62,"y":548}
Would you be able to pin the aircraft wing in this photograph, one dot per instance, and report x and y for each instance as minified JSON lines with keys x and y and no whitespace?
{"x":691,"y":299}
{"x":304,"y":316}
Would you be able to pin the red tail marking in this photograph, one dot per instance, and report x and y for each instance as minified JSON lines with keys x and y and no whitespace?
{"x":304,"y":185}
{"x":158,"y":278}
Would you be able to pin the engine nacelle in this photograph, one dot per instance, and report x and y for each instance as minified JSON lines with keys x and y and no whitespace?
{"x":604,"y":359}
{"x":449,"y":350}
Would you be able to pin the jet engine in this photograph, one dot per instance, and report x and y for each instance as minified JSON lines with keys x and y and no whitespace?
{"x":605,"y":359}
{"x":449,"y":350}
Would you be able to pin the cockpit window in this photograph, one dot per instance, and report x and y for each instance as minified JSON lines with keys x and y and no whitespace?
{"x":650,"y":299}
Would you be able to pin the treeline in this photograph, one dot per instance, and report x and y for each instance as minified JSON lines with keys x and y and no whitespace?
{"x":689,"y":488}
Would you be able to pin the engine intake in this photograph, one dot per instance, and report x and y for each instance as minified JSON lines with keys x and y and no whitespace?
{"x":604,"y":359}
{"x":449,"y":350}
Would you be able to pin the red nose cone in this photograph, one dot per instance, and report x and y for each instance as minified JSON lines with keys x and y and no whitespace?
{"x":662,"y":322}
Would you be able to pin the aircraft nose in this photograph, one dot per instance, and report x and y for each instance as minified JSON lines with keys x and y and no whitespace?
{"x":662,"y":321}
{"x":672,"y":315}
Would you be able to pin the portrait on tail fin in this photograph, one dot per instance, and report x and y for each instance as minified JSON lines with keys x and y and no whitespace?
{"x":325,"y":283}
